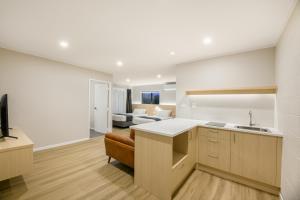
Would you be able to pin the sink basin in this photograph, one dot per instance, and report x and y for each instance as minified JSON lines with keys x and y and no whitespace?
{"x":253,"y":128}
{"x":216,"y":124}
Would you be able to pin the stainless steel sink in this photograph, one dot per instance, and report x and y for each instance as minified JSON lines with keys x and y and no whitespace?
{"x":251,"y":128}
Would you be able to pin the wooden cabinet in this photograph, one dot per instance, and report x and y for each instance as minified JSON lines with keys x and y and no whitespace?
{"x":214,"y":148}
{"x":162,"y":163}
{"x":255,"y":157}
{"x":153,"y":160}
{"x":252,"y":156}
{"x":16,"y":155}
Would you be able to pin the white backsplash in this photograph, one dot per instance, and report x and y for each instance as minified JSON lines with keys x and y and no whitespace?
{"x":229,"y":108}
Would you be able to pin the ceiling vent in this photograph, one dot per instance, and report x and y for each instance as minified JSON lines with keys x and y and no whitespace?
{"x":170,"y":86}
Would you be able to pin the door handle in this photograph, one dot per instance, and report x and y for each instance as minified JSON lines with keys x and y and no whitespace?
{"x":95,"y":108}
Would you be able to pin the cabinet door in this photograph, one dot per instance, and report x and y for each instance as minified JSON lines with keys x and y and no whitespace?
{"x":214,"y":148}
{"x":254,"y":156}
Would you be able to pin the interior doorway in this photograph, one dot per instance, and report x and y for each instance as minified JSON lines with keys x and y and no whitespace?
{"x":100,"y":107}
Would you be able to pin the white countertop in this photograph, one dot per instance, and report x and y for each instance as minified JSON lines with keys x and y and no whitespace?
{"x":176,"y":126}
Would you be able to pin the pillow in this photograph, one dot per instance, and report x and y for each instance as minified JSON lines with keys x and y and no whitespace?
{"x":164,"y":113}
{"x":139,"y":111}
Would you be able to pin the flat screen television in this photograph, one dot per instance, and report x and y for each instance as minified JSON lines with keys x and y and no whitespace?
{"x":150,"y":97}
{"x":4,"y":117}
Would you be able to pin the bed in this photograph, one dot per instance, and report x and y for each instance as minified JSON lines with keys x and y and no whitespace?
{"x":124,"y":120}
{"x":160,"y":115}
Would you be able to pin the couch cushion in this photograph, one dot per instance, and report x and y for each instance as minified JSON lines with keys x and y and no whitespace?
{"x":120,"y":138}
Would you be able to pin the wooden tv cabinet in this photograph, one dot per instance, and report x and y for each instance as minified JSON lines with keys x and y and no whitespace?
{"x":16,"y":155}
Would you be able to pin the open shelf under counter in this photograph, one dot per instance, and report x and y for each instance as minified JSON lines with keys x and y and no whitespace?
{"x":178,"y":157}
{"x":180,"y":147}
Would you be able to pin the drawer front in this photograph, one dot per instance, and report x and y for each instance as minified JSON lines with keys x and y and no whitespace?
{"x":180,"y":172}
{"x":15,"y":163}
{"x":214,"y":148}
{"x":215,"y":134}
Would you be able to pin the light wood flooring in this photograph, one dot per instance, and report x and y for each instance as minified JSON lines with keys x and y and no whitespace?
{"x":81,"y":172}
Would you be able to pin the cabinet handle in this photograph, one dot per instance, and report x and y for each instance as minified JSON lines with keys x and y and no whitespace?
{"x":214,"y":141}
{"x":213,"y":156}
{"x":212,"y":131}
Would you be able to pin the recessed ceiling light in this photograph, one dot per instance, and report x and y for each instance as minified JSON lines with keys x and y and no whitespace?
{"x":207,"y":40}
{"x":64,"y":44}
{"x":128,"y":80}
{"x":172,"y":53}
{"x":119,"y":63}
{"x":158,"y":75}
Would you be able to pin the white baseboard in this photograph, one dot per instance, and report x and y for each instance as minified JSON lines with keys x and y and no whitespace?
{"x":280,"y":196}
{"x":60,"y":144}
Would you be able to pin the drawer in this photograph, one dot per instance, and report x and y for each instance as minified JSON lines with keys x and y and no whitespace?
{"x":180,"y":172}
{"x":214,"y":134}
{"x":214,"y":150}
{"x":15,"y":162}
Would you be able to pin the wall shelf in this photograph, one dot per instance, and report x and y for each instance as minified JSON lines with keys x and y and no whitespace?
{"x":254,"y":90}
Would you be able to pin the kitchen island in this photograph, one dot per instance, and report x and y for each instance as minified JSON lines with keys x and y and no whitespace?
{"x":166,"y":152}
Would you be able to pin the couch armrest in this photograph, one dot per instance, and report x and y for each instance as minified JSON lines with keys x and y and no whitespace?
{"x":120,"y":138}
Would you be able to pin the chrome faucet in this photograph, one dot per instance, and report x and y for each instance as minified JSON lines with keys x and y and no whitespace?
{"x":251,"y":118}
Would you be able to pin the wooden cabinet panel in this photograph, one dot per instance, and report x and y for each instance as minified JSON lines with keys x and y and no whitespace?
{"x":153,"y":163}
{"x":192,"y":145}
{"x":254,"y":157}
{"x":15,"y":163}
{"x":16,"y":156}
{"x":214,"y":148}
{"x":162,"y":163}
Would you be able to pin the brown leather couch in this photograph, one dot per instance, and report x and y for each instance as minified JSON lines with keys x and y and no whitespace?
{"x":120,"y":147}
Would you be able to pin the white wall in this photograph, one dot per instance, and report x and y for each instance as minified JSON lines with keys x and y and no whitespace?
{"x":47,"y":99}
{"x":166,"y":97}
{"x":288,"y":101}
{"x":250,"y":69}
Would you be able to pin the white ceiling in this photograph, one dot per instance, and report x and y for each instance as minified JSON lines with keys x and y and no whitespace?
{"x":141,"y":33}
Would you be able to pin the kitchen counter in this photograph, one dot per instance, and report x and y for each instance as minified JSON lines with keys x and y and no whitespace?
{"x":176,"y":126}
{"x":167,"y":151}
{"x":170,"y":127}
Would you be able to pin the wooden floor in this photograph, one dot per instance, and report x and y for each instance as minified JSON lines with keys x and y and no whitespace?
{"x":201,"y":185}
{"x":81,"y":172}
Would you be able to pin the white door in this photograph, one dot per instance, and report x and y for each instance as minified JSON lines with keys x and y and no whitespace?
{"x":101,"y":107}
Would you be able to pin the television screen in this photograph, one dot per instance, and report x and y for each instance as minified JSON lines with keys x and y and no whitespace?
{"x":4,"y":116}
{"x":150,"y":97}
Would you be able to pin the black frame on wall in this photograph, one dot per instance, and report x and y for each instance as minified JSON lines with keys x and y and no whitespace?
{"x":150,"y":97}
